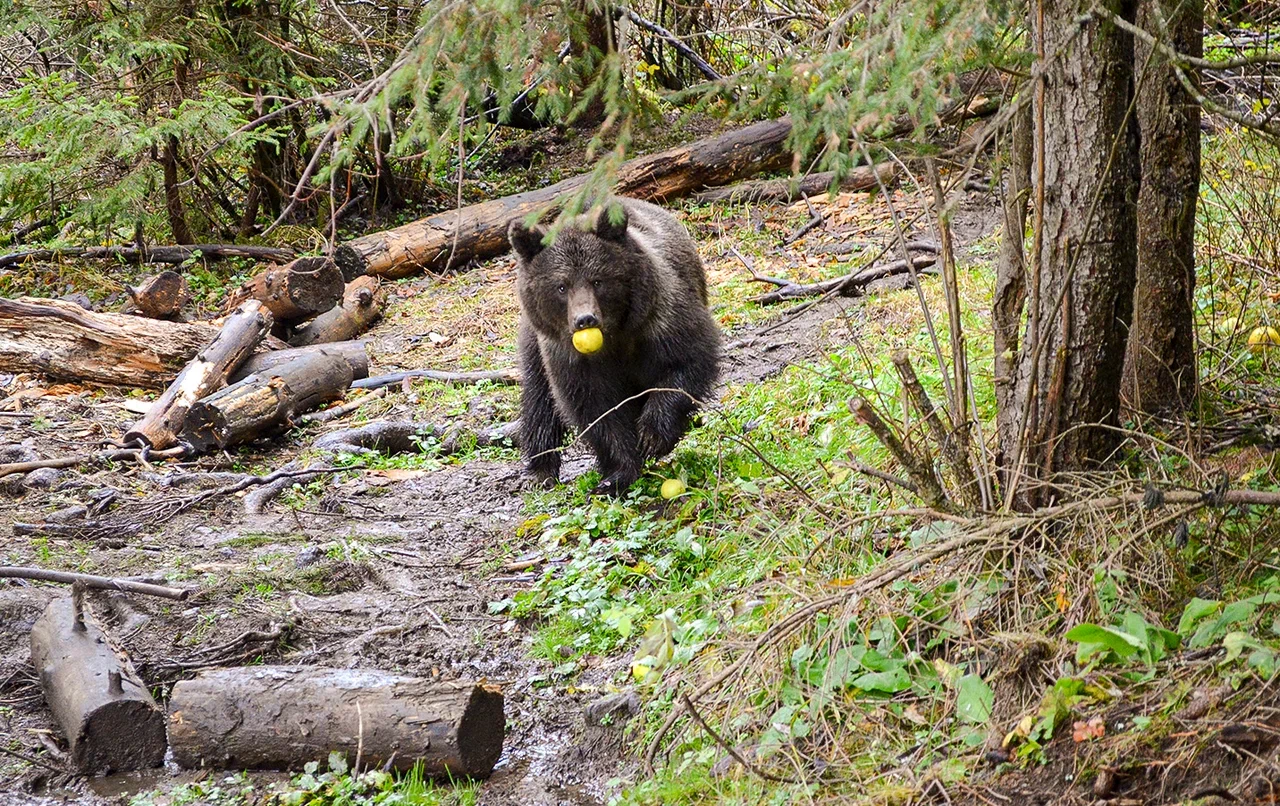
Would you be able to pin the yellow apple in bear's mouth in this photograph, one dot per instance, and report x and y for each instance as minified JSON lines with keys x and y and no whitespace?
{"x":588,"y":340}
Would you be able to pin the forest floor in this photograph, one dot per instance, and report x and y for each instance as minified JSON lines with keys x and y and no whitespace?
{"x":393,"y":567}
{"x":449,"y":567}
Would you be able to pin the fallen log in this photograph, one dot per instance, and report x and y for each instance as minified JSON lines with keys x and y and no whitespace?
{"x":272,"y":717}
{"x":786,"y":190}
{"x":297,"y":290}
{"x":64,"y":341}
{"x":152,"y":254}
{"x":241,"y":333}
{"x":353,"y":351}
{"x":452,"y":239}
{"x":161,"y":296}
{"x":362,"y":306}
{"x":265,"y":403}
{"x":111,"y":722}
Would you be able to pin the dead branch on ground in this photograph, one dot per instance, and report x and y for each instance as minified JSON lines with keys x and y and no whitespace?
{"x":92,"y":581}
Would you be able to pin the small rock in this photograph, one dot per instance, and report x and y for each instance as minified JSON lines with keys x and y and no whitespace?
{"x":42,"y":478}
{"x":564,"y":650}
{"x":307,"y":556}
{"x":613,"y":710}
{"x":79,"y":299}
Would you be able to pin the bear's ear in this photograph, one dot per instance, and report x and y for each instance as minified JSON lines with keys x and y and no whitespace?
{"x":527,"y":241}
{"x":611,"y":223}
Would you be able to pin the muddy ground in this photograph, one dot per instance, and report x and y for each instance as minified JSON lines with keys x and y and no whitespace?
{"x":389,"y":571}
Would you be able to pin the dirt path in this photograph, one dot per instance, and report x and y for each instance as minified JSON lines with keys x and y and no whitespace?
{"x":391,"y":573}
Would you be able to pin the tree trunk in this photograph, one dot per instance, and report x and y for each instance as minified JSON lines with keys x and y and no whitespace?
{"x":173,"y":194}
{"x":1081,"y":271}
{"x":452,"y":239}
{"x":1160,"y":365}
{"x":362,"y":306}
{"x":272,"y":717}
{"x":1010,"y":298}
{"x":111,"y":722}
{"x":262,"y":405}
{"x":207,"y":373}
{"x":64,"y":341}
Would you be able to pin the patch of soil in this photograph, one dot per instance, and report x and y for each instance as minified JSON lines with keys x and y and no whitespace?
{"x":380,"y":572}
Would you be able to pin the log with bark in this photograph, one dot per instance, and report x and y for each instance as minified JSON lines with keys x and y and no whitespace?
{"x":152,"y":254}
{"x":452,"y":239}
{"x":208,"y":372}
{"x":111,"y":722}
{"x":362,"y":306}
{"x":298,"y":290}
{"x":271,"y":717}
{"x":353,"y":351}
{"x":161,"y":296}
{"x":64,"y":341}
{"x":265,"y":403}
{"x":864,"y":177}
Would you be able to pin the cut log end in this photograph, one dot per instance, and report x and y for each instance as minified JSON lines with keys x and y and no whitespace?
{"x":350,"y":262}
{"x":122,"y":735}
{"x":161,"y":296}
{"x":480,"y":731}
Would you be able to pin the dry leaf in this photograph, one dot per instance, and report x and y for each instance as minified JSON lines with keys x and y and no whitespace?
{"x":1083,"y":731}
{"x":397,"y":474}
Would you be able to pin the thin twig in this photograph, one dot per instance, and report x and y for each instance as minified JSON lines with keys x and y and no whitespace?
{"x":728,"y":748}
{"x":91,"y":581}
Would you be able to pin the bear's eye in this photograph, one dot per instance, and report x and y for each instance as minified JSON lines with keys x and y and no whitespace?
{"x":561,"y":289}
{"x":595,"y":283}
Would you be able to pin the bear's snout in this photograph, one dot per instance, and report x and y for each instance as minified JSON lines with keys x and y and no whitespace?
{"x":584,"y":309}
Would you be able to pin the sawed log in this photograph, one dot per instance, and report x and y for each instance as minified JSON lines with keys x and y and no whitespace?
{"x":265,"y":403}
{"x":272,"y":717}
{"x":111,"y":722}
{"x":362,"y":306}
{"x":297,"y":290}
{"x":65,"y":342}
{"x":161,"y":296}
{"x":208,"y":372}
{"x":353,"y":351}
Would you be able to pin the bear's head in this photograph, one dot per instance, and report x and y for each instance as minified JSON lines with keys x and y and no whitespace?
{"x":592,"y":275}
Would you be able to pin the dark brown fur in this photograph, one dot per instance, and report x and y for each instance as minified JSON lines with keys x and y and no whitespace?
{"x":640,"y":280}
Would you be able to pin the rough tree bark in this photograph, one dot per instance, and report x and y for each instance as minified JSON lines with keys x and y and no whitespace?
{"x":1160,"y":364}
{"x":64,"y":341}
{"x":1081,"y":269}
{"x":281,"y":718}
{"x":1010,"y":296}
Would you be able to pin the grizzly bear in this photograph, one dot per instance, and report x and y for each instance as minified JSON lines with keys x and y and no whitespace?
{"x":631,"y":270}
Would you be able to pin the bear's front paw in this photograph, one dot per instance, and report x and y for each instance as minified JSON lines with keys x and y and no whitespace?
{"x":615,"y":484}
{"x":542,"y":478}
